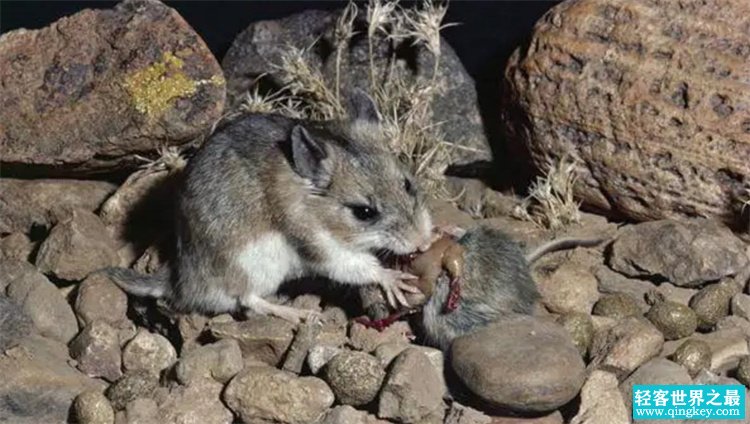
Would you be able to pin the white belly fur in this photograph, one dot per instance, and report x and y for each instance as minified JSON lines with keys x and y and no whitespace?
{"x":269,"y":261}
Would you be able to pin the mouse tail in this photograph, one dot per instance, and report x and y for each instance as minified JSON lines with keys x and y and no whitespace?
{"x":560,"y":244}
{"x":143,"y":285}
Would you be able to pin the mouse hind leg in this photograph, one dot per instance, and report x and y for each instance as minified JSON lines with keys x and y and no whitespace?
{"x":256,"y":304}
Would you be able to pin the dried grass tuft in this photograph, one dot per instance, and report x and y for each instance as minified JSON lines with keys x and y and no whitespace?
{"x":550,"y":203}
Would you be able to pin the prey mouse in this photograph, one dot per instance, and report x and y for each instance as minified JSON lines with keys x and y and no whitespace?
{"x":270,"y":199}
{"x":471,"y":279}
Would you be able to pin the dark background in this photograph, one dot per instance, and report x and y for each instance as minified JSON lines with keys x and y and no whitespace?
{"x":488,"y":33}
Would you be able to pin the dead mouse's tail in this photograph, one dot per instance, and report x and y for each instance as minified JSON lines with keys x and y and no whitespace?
{"x":560,"y":244}
{"x":143,"y":285}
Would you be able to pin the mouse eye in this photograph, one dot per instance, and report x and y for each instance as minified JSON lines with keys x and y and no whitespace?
{"x":408,"y":186}
{"x":364,"y":212}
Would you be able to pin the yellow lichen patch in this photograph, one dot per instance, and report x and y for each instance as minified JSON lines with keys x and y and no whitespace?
{"x":154,"y":88}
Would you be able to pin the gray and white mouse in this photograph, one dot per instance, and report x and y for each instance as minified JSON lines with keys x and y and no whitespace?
{"x":270,"y":199}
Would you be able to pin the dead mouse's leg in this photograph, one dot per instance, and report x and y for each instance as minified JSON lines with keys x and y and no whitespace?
{"x":261,"y":306}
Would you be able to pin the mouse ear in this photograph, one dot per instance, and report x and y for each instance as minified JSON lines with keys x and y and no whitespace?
{"x":362,"y":107}
{"x":307,"y":157}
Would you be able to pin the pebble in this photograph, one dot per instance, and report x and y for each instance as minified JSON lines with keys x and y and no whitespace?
{"x":354,"y":377}
{"x":617,"y":305}
{"x":97,"y":350}
{"x":627,"y":345}
{"x":148,"y":351}
{"x":601,"y":401}
{"x":412,"y":390}
{"x":133,"y":385}
{"x":570,"y":288}
{"x":98,"y":298}
{"x":694,"y":355}
{"x":674,"y":320}
{"x":581,"y":330}
{"x":92,"y":407}
{"x":262,"y":338}
{"x":220,"y":361}
{"x":711,"y":304}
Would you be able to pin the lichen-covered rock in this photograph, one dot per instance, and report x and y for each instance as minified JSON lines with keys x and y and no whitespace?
{"x":412,"y":390}
{"x":92,"y":407}
{"x":77,"y":246}
{"x":261,"y":393}
{"x":354,"y":377}
{"x":93,"y":89}
{"x":711,"y":304}
{"x":521,"y":363}
{"x":617,"y":305}
{"x":261,"y":337}
{"x":26,"y":204}
{"x":691,"y":252}
{"x":148,"y":351}
{"x":131,"y":386}
{"x":99,"y":298}
{"x":654,"y":108}
{"x":97,"y":350}
{"x":694,"y":355}
{"x":40,"y":300}
{"x":674,"y":320}
{"x":221,"y":361}
{"x":581,"y":330}
{"x":625,"y":346}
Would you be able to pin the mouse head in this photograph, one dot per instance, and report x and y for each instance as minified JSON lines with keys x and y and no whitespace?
{"x":360,"y":192}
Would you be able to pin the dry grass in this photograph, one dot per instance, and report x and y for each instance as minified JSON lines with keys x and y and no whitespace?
{"x":405,"y":102}
{"x":550,"y":203}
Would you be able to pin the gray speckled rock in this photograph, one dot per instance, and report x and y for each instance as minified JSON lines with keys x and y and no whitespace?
{"x":98,"y":298}
{"x":131,"y":386}
{"x":691,"y":252}
{"x":221,"y":361}
{"x":92,"y":407}
{"x":148,"y":351}
{"x":570,"y":288}
{"x":616,"y":305}
{"x":14,"y":323}
{"x":354,"y":377}
{"x":581,"y":330}
{"x":412,"y":390}
{"x":520,"y":363}
{"x":601,"y":401}
{"x":261,"y":393}
{"x":198,"y":403}
{"x":694,"y":355}
{"x":674,"y":320}
{"x":40,"y":300}
{"x":264,"y":338}
{"x":711,"y":304}
{"x":97,"y":350}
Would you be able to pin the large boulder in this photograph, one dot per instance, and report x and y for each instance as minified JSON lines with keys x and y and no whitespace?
{"x":652,"y":97}
{"x":92,"y":90}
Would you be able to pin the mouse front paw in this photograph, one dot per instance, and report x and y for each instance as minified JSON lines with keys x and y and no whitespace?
{"x":394,"y":285}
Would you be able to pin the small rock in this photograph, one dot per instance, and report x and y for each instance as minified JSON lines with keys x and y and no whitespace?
{"x":368,"y":339}
{"x":16,"y":246}
{"x":260,"y":393}
{"x":674,"y":320}
{"x":345,"y":414}
{"x":40,"y":300}
{"x":307,"y":302}
{"x":354,"y":377}
{"x":412,"y":389}
{"x":195,"y":404}
{"x":692,"y":251}
{"x":133,"y":385}
{"x":733,"y":321}
{"x":570,"y":288}
{"x":655,"y":371}
{"x":263,"y":338}
{"x":14,"y":323}
{"x":148,"y":351}
{"x":580,"y":328}
{"x":319,"y":356}
{"x":694,"y":355}
{"x":602,"y":324}
{"x":520,"y":363}
{"x":611,"y":282}
{"x":77,"y":246}
{"x":97,"y":350}
{"x":617,"y":305}
{"x":740,"y":305}
{"x":601,"y":401}
{"x":711,"y":304}
{"x":333,"y":332}
{"x":743,"y":371}
{"x":92,"y":407}
{"x":99,"y":298}
{"x":27,"y":203}
{"x":221,"y":361}
{"x":387,"y":352}
{"x":627,"y":345}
